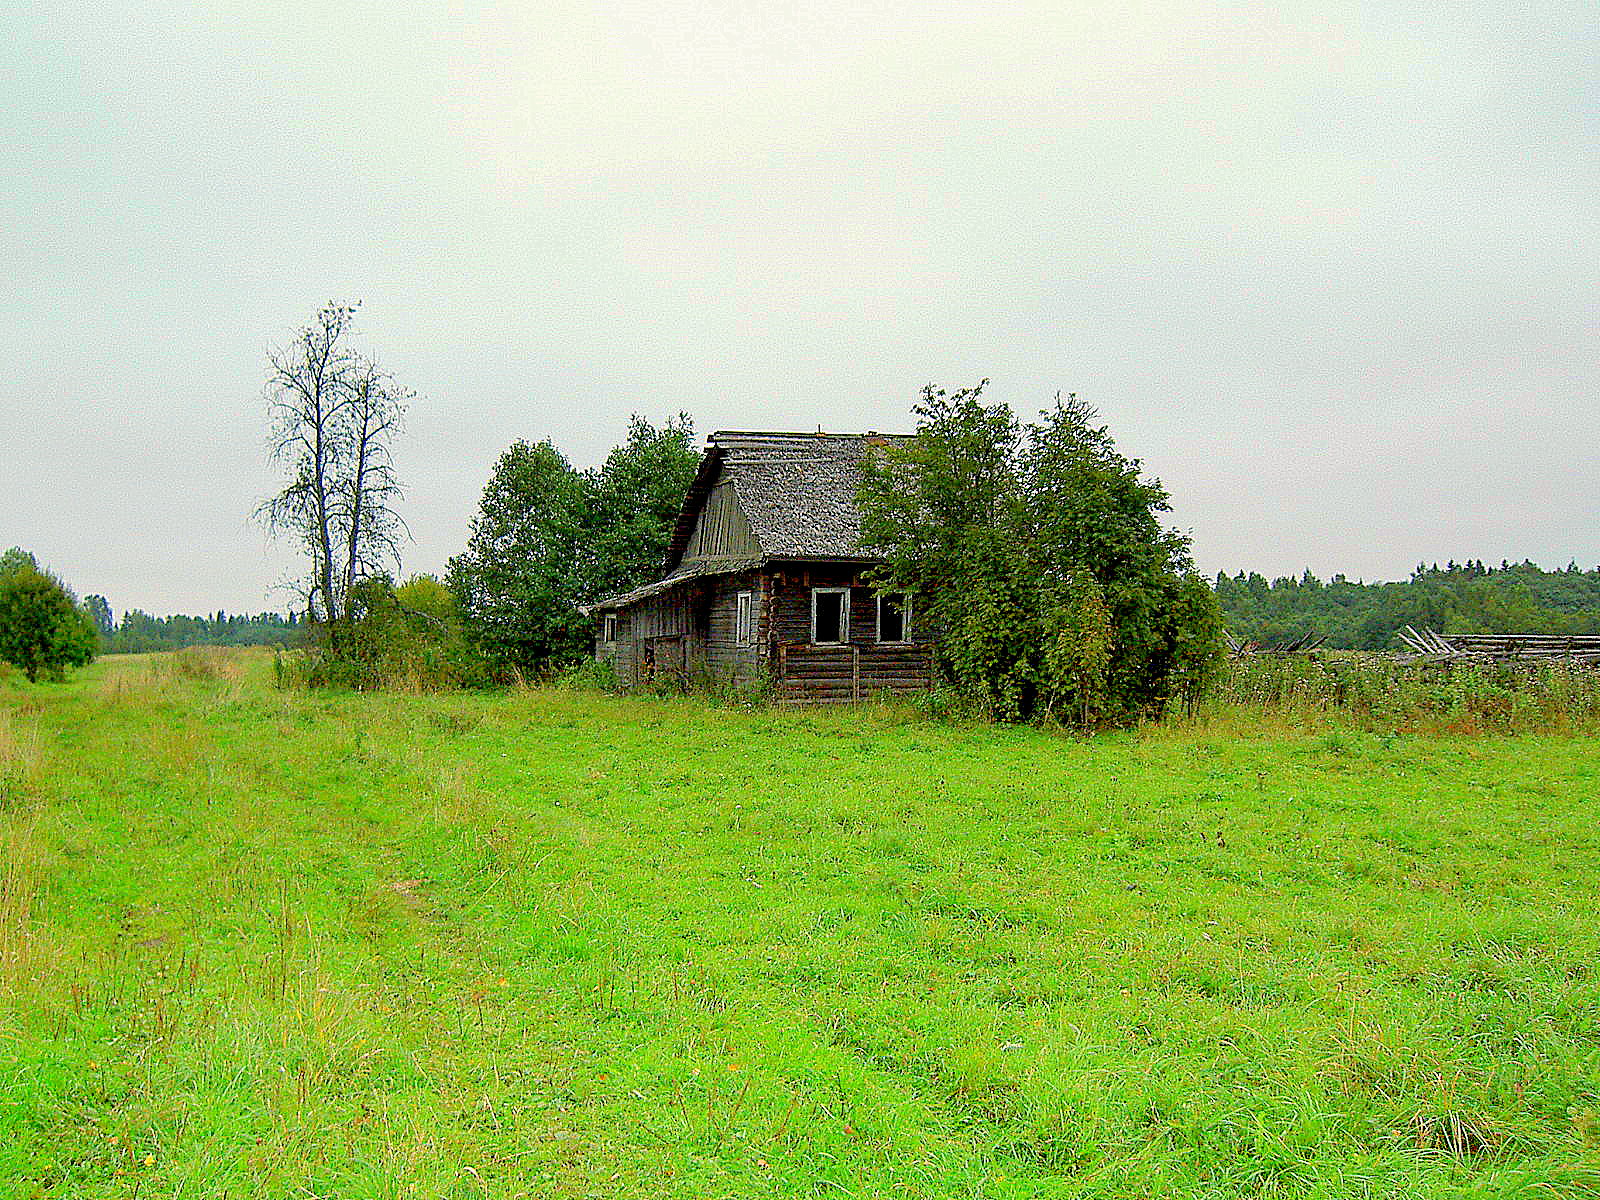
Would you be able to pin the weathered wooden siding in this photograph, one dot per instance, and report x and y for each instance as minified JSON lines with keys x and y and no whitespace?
{"x":666,"y":615}
{"x":727,"y":661}
{"x":858,"y":670}
{"x":621,"y":655}
{"x":721,"y":528}
{"x":691,"y":630}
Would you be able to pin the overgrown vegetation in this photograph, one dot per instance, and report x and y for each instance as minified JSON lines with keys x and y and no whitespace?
{"x":1456,"y":598}
{"x":1375,"y":692}
{"x":553,"y":944}
{"x":405,"y":639}
{"x":1037,"y":552}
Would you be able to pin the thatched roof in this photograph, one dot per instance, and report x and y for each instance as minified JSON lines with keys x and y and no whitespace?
{"x":797,"y":490}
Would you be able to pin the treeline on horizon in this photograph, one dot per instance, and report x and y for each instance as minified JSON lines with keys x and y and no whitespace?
{"x":1467,"y":597}
{"x":140,"y":633}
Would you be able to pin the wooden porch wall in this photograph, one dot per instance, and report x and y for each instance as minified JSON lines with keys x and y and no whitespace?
{"x":654,"y":636}
{"x":725,"y":660}
{"x":621,"y":655}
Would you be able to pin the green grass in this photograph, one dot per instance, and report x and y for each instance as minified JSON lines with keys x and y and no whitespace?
{"x":547,"y":943}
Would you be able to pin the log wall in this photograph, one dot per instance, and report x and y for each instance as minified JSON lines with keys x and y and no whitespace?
{"x":858,"y":670}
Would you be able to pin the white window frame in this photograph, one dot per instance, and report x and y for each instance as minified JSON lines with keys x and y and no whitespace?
{"x":905,"y":619}
{"x":844,"y":614}
{"x":608,"y":628}
{"x":744,"y":619}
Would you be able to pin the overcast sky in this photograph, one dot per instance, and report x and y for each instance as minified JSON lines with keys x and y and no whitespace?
{"x":1330,"y":270}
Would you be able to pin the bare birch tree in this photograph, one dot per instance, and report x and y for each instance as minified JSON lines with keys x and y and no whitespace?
{"x":334,"y":415}
{"x":370,"y":490}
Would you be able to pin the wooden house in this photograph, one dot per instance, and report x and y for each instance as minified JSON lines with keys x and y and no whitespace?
{"x":764,"y":581}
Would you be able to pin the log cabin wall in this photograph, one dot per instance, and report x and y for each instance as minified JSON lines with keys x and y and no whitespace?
{"x":857,"y":670}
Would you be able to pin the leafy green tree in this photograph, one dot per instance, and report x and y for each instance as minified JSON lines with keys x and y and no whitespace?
{"x":1091,"y":512}
{"x":633,"y":502}
{"x":1039,"y":554}
{"x":17,"y":557}
{"x":519,"y":581}
{"x":42,"y":629}
{"x":427,"y":597}
{"x":549,"y":538}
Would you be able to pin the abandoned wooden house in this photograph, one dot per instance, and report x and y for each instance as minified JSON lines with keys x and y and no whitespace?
{"x":764,"y":581}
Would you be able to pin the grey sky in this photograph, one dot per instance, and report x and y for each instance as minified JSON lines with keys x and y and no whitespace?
{"x":1329,"y":269}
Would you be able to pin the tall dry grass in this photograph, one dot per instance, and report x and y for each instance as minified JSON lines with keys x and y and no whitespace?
{"x":1377,"y":693}
{"x":22,"y":863}
{"x":22,"y":874}
{"x":140,"y":677}
{"x":20,"y":758}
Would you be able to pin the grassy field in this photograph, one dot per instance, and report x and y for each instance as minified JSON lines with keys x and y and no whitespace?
{"x":543,"y":943}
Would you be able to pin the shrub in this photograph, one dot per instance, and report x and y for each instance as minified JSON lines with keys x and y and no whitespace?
{"x":43,"y":631}
{"x":407,"y":638}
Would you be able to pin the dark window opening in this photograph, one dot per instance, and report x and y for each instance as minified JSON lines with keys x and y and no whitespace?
{"x":608,"y":628}
{"x":830,"y":619}
{"x":894,"y":617}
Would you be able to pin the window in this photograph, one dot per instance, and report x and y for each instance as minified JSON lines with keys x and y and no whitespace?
{"x":608,"y":627}
{"x":744,"y":624}
{"x":830,"y":616}
{"x":894,"y":617}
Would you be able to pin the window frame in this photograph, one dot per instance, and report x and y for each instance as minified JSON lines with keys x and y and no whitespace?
{"x":744,"y":619}
{"x":905,"y":619}
{"x":844,"y":614}
{"x":608,"y":628}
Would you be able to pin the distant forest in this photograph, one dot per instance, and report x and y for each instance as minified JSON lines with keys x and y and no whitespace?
{"x":139,"y":632}
{"x":1456,"y":598}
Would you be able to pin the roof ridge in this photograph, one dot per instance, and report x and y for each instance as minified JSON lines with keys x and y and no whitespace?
{"x":784,"y":435}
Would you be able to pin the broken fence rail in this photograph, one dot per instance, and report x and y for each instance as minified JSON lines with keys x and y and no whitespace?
{"x":1431,"y":646}
{"x":1299,"y":645}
